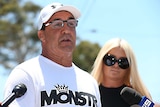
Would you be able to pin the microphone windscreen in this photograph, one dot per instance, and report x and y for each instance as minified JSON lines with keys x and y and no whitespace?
{"x":19,"y":90}
{"x":130,"y":95}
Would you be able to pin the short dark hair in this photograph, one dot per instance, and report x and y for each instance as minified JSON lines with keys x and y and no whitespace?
{"x":43,"y":27}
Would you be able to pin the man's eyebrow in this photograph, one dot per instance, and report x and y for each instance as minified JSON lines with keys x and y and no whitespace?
{"x":71,"y":18}
{"x":56,"y":19}
{"x":61,"y":19}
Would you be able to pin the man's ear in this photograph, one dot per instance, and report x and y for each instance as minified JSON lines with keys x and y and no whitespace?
{"x":41,"y":36}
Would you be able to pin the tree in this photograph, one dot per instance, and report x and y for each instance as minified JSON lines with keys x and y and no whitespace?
{"x":18,"y":36}
{"x":85,"y":54}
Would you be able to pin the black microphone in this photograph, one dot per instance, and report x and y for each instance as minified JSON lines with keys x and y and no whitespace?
{"x":18,"y":91}
{"x":132,"y":97}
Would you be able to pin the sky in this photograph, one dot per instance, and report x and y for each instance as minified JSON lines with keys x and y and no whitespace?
{"x":136,"y":21}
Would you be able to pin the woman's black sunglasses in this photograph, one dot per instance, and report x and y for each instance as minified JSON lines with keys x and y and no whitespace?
{"x":110,"y":60}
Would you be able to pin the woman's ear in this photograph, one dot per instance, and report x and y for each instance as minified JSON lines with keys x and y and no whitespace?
{"x":41,"y":35}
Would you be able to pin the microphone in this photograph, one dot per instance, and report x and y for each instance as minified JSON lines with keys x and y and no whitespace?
{"x":18,"y":91}
{"x":132,"y":97}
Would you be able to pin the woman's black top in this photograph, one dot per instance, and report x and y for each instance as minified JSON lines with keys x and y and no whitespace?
{"x":110,"y":97}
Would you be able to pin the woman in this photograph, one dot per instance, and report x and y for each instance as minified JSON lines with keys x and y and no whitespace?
{"x":115,"y":67}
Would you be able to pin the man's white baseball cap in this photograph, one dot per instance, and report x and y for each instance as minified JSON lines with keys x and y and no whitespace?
{"x":49,"y":10}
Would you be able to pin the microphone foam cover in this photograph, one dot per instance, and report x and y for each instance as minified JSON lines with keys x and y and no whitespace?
{"x":19,"y":90}
{"x":130,"y":95}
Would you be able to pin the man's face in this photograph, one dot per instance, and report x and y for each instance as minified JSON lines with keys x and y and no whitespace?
{"x":58,"y":41}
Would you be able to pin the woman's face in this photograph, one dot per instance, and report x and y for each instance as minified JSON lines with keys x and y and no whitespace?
{"x":115,"y":72}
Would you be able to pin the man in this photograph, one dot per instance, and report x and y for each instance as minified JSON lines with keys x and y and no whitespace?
{"x":52,"y":79}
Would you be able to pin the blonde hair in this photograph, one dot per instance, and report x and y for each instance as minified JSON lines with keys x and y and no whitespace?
{"x":133,"y":79}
